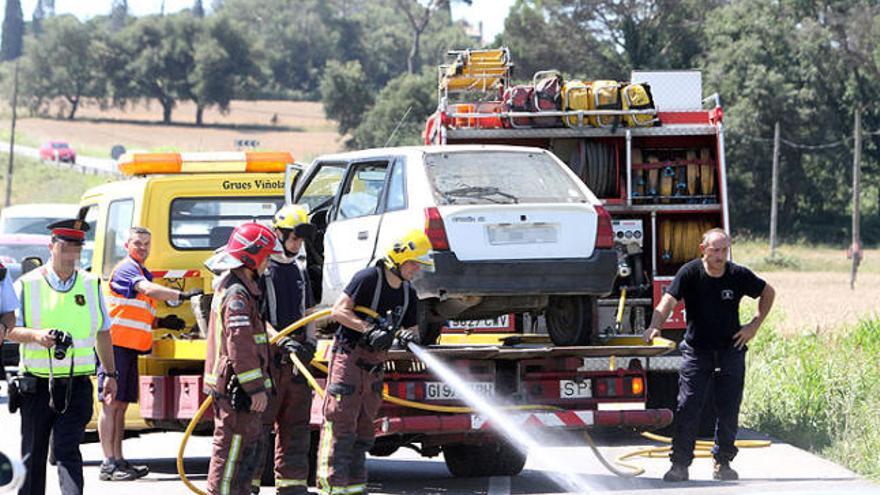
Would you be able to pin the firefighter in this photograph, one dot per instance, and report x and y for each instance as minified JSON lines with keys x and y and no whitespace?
{"x":130,"y":298}
{"x":713,"y":350}
{"x":237,"y":361}
{"x":62,"y":323}
{"x":354,"y":384}
{"x":288,"y":298}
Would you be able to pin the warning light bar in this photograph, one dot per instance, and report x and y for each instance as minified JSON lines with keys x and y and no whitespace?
{"x":205,"y":162}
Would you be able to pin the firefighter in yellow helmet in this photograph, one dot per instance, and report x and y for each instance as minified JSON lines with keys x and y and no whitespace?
{"x":288,"y":298}
{"x":354,"y":385}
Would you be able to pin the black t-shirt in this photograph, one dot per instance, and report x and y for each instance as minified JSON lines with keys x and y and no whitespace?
{"x":290,"y":284}
{"x":712,"y":304}
{"x":361,"y":289}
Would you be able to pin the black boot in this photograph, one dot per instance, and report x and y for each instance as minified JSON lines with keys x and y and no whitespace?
{"x":677,"y":473}
{"x":723,"y":472}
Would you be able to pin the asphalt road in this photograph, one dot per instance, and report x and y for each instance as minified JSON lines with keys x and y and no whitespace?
{"x":85,"y":164}
{"x":780,"y":468}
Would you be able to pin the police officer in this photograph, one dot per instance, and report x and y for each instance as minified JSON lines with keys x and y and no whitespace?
{"x":130,"y":297}
{"x":713,"y":350}
{"x":287,"y":299}
{"x":61,"y":307}
{"x":354,"y":384}
{"x":237,"y":371}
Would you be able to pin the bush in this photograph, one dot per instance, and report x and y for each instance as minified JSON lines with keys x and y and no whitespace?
{"x":820,"y":392}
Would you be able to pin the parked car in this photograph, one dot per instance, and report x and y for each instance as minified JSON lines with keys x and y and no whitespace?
{"x":33,"y":218}
{"x":57,"y":151}
{"x":513,"y":229}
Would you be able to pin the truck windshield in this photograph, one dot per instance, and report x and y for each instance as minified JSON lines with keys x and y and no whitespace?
{"x":483,"y":177}
{"x":205,"y":223}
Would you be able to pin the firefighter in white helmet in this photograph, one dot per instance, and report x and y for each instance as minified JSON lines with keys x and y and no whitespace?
{"x":354,"y":384}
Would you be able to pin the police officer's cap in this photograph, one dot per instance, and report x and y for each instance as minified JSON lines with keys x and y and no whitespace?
{"x":73,"y":230}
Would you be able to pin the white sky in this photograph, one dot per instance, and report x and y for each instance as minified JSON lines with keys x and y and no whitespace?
{"x":491,"y":12}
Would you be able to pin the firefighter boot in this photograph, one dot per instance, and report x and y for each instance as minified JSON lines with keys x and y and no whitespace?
{"x":677,"y":473}
{"x":723,"y":472}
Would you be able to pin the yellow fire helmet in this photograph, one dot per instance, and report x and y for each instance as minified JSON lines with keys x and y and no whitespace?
{"x":294,"y":218}
{"x":414,"y":246}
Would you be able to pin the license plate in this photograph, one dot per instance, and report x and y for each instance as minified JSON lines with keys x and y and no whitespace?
{"x":442,"y":391}
{"x":570,"y":389}
{"x":502,"y":321}
{"x":535,"y":233}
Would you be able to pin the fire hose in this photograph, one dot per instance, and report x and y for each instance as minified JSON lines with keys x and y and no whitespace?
{"x":703,"y":448}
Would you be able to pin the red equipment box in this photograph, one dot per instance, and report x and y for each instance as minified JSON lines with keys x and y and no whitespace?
{"x":155,"y":398}
{"x":188,"y":396}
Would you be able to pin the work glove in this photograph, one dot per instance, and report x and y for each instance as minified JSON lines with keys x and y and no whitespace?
{"x":171,"y":322}
{"x":380,"y":335}
{"x":406,"y":337}
{"x":304,"y":351}
{"x":189,"y":294}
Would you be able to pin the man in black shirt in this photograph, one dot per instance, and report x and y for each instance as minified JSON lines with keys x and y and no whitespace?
{"x":354,"y":382}
{"x":713,"y":349}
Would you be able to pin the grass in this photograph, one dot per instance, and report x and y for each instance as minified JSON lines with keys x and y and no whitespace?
{"x":802,"y":256}
{"x":820,"y":392}
{"x":36,"y":182}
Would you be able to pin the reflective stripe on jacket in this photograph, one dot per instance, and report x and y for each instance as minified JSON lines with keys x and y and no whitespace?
{"x":77,"y":312}
{"x":131,"y":323}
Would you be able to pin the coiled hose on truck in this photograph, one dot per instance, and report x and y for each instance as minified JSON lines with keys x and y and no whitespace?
{"x":703,"y":448}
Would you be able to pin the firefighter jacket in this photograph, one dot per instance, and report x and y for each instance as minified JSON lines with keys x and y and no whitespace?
{"x":237,"y":341}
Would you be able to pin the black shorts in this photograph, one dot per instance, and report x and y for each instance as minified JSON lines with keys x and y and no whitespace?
{"x":128,"y":383}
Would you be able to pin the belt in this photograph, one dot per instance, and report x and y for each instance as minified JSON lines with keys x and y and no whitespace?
{"x":60,"y":378}
{"x":369,"y":367}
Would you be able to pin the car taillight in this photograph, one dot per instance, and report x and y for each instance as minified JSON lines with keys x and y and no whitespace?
{"x":604,"y":232}
{"x":435,"y":230}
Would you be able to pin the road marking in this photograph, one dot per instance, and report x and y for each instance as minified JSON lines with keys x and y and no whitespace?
{"x":499,"y":485}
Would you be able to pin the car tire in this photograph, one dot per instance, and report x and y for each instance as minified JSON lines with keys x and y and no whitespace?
{"x":571,"y":320}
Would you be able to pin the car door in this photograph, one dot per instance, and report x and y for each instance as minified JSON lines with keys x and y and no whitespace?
{"x":354,"y":220}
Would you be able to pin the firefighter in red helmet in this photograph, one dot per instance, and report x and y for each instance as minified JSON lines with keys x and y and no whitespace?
{"x":237,"y":362}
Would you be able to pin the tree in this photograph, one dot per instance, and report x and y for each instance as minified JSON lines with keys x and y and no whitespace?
{"x":198,"y":10}
{"x":37,"y":18}
{"x":160,"y":52}
{"x":415,"y":93}
{"x":346,"y":94}
{"x":227,"y":65}
{"x":13,"y":31}
{"x":118,"y":15}
{"x":62,"y":64}
{"x":418,"y":17}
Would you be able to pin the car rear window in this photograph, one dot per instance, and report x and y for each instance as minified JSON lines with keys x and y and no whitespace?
{"x":205,"y":223}
{"x":486,"y":177}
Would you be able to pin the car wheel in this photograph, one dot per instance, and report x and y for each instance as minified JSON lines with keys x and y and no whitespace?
{"x":571,"y":320}
{"x":493,"y":458}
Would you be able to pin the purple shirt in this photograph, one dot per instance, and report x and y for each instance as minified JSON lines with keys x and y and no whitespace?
{"x":127,"y":275}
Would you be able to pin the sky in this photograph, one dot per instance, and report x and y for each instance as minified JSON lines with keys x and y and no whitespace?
{"x":491,"y":12}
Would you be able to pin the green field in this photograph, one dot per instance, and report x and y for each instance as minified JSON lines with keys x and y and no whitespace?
{"x":36,"y":182}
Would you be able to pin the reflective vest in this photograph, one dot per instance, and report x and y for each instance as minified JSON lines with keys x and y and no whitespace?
{"x":131,"y":322}
{"x":77,"y":312}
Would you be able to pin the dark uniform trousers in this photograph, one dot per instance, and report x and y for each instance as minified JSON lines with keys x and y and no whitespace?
{"x":353,"y":398}
{"x":289,"y":412}
{"x":38,"y":421}
{"x":725,"y":369}
{"x":240,"y":440}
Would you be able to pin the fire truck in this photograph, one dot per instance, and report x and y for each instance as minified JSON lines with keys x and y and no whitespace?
{"x":657,"y":163}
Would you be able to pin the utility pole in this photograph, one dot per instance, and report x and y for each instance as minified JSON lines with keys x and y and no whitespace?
{"x":773,"y":189}
{"x":12,"y":136}
{"x":856,"y":248}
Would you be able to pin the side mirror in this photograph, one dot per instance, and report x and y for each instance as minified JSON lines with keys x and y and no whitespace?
{"x":29,"y":263}
{"x":12,"y":474}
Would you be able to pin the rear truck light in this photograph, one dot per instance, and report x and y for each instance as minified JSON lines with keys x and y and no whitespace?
{"x":436,"y":231}
{"x":604,"y":231}
{"x":637,"y":386}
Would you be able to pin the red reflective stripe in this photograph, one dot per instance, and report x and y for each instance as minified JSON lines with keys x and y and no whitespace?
{"x":176,"y":273}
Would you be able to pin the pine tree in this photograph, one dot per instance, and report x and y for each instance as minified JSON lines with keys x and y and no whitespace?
{"x":13,"y":31}
{"x":37,"y":18}
{"x":198,"y":10}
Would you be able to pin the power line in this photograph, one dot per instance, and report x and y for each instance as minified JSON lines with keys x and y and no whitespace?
{"x":792,"y":144}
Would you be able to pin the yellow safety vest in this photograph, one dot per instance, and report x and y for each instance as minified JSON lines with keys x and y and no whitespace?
{"x":76,"y":311}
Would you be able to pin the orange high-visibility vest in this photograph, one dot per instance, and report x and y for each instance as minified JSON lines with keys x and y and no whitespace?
{"x":132,"y":318}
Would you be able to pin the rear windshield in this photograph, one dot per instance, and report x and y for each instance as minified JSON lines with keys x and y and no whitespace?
{"x":484,"y":177}
{"x":28,"y":225}
{"x":205,"y":223}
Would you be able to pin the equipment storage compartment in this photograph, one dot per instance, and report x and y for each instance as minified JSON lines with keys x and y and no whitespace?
{"x":597,"y":162}
{"x":667,"y":174}
{"x":188,"y":396}
{"x":156,"y":397}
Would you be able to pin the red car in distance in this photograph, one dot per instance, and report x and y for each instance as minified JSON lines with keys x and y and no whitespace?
{"x":60,"y":149}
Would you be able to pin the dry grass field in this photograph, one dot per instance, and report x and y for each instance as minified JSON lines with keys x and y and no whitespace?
{"x":813,"y":291}
{"x":300,"y":127}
